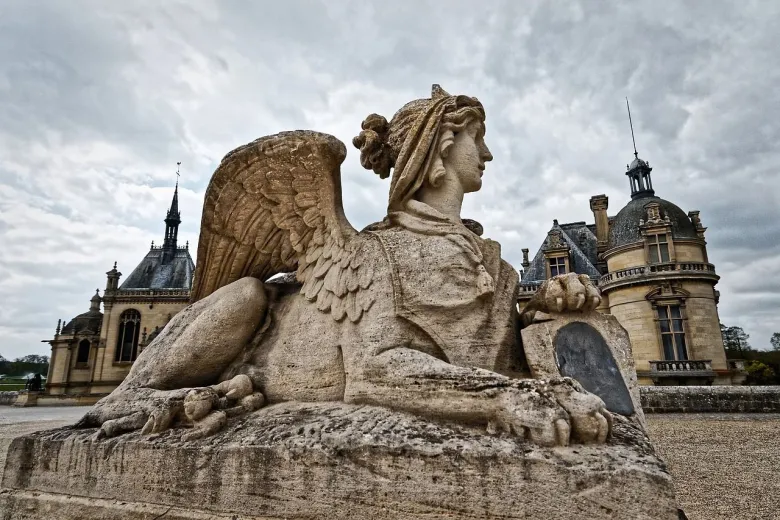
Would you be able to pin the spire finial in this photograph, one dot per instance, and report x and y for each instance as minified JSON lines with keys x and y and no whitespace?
{"x":632,"y":128}
{"x":178,"y":164}
{"x":114,"y":265}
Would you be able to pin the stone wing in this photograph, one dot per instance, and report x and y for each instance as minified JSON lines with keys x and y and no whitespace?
{"x":274,"y":206}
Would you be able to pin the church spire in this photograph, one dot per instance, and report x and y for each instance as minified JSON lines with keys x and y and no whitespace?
{"x":172,"y":221}
{"x":638,"y":171}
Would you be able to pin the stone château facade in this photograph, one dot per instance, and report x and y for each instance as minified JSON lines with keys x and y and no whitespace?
{"x":92,"y":353}
{"x":650,"y":263}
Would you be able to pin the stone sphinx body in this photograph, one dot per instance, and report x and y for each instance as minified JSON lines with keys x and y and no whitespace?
{"x":416,"y":313}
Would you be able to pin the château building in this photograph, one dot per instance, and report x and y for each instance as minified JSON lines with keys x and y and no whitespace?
{"x":92,"y":353}
{"x":650,"y":263}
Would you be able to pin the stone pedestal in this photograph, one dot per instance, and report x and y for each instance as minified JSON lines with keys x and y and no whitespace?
{"x":27,"y":398}
{"x":332,"y":460}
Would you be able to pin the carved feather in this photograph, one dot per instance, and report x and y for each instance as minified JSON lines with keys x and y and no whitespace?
{"x":274,"y":205}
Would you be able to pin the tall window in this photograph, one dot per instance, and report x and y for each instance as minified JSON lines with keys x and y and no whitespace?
{"x":82,"y":355}
{"x":557,"y":266}
{"x":127,"y":341}
{"x":672,"y":332}
{"x":659,"y":248}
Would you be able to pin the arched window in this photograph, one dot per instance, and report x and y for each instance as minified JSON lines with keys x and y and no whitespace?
{"x":127,"y":340}
{"x":82,"y":355}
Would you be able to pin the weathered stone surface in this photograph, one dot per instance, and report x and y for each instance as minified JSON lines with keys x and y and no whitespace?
{"x":711,"y":399}
{"x":8,"y":398}
{"x":333,"y":460}
{"x":539,"y":343}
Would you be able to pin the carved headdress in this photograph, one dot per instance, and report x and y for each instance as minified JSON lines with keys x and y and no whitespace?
{"x":405,"y":143}
{"x":274,"y":205}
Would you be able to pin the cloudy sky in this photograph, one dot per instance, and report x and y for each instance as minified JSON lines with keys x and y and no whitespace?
{"x":99,"y":100}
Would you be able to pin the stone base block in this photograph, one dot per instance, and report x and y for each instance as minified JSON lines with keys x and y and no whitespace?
{"x":331,"y":460}
{"x":27,"y":398}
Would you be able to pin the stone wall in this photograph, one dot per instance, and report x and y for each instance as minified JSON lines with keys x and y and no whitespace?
{"x":710,"y":399}
{"x":8,"y":398}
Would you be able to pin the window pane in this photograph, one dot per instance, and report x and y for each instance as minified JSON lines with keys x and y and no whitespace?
{"x":682,"y":353}
{"x":663,"y":313}
{"x":82,"y":355}
{"x":664,"y":253}
{"x":665,"y":326}
{"x":662,"y":238}
{"x":675,"y":310}
{"x":653,"y":254}
{"x":677,"y":326}
{"x":668,"y":347}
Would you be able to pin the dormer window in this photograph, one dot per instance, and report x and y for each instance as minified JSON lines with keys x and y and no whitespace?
{"x":557,"y":266}
{"x":658,"y":248}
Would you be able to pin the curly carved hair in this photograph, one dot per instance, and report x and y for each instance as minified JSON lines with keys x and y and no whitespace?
{"x":380,"y":142}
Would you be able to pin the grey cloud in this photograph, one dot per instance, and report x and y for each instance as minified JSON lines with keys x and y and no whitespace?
{"x":101,"y":100}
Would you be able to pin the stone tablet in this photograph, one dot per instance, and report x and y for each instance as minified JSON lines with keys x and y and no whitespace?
{"x":583,"y":354}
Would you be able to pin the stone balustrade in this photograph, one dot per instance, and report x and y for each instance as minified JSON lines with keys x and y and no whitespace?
{"x":681,"y":366}
{"x":631,"y":274}
{"x":682,"y":371}
{"x":527,"y":290}
{"x":148,"y":292}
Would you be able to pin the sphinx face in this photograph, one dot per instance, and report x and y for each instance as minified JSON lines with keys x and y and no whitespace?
{"x":466,"y":158}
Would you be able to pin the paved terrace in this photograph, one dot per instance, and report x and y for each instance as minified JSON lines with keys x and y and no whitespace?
{"x":726,"y":466}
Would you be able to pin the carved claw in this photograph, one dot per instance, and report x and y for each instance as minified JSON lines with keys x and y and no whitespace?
{"x":562,"y":293}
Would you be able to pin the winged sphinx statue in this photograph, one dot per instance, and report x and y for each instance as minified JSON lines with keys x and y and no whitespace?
{"x":415,"y":313}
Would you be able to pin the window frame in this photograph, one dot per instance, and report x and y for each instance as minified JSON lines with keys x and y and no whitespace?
{"x":78,"y":362}
{"x":657,"y":247}
{"x":672,"y":331}
{"x":128,"y":317}
{"x":560,"y":262}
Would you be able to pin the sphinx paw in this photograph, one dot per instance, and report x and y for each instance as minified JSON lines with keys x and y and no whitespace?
{"x":532,"y":416}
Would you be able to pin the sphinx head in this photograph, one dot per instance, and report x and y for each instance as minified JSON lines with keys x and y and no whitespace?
{"x":428,"y":143}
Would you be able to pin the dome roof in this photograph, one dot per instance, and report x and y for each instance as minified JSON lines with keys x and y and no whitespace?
{"x":637,"y":162}
{"x":624,"y":227}
{"x":88,"y":321}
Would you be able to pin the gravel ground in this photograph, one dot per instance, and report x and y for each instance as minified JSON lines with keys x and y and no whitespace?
{"x":725,"y":466}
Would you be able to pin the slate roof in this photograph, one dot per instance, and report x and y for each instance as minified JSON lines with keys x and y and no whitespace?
{"x":583,"y":257}
{"x":624,"y":228}
{"x":151,"y":273}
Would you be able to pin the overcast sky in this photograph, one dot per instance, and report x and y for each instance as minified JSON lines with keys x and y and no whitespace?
{"x":99,"y":100}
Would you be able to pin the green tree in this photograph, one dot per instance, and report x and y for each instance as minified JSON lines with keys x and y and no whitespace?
{"x":775,"y":341}
{"x":735,"y":340}
{"x":759,"y":373}
{"x":33,"y":358}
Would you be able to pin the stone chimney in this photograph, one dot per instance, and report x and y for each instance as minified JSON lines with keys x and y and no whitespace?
{"x":526,"y":264}
{"x":598,"y":205}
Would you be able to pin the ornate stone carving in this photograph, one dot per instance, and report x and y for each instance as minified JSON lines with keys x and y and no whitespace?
{"x":653,"y":213}
{"x":415,"y":313}
{"x":555,"y":240}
